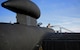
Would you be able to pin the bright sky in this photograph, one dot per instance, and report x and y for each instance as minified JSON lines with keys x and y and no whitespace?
{"x":65,"y":13}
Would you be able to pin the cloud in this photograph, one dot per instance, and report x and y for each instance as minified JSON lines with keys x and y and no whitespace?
{"x":76,"y":29}
{"x":71,"y":23}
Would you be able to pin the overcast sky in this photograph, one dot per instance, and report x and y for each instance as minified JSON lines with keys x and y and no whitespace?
{"x":65,"y":13}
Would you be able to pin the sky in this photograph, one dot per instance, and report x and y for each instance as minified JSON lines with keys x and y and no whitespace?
{"x":63,"y":13}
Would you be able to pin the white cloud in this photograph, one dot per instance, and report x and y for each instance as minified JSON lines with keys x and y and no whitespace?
{"x":71,"y":23}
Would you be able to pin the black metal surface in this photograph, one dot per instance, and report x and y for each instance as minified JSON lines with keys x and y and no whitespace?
{"x":21,"y":37}
{"x":69,"y":41}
